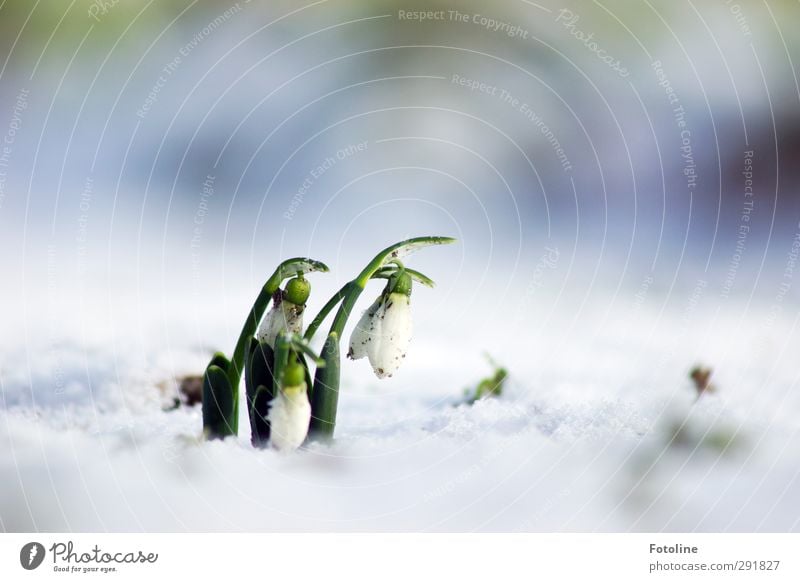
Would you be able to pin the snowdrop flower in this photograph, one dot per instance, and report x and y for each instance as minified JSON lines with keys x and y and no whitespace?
{"x":290,"y":411}
{"x":286,"y":312}
{"x":384,"y":331}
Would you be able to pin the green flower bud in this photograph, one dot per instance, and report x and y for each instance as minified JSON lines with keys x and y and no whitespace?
{"x":297,"y":290}
{"x":403,"y":284}
{"x":294,"y":374}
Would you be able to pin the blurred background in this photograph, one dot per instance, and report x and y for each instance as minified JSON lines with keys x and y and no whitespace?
{"x":622,"y":178}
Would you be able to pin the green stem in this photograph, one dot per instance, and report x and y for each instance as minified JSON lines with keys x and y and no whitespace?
{"x":349,"y":302}
{"x":326,"y":309}
{"x":325,"y":396}
{"x":281,"y":358}
{"x":249,"y":328}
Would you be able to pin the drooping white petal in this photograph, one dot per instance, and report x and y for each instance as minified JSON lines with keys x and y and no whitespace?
{"x":289,"y":416}
{"x":365,"y":332}
{"x":283,"y":316}
{"x":393,"y":334}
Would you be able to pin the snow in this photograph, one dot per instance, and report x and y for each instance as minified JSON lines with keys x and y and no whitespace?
{"x":581,"y":439}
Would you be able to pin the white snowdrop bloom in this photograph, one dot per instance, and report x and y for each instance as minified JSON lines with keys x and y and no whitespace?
{"x":364,"y":332}
{"x":394,"y":335}
{"x":289,"y":416}
{"x":383,"y":334}
{"x":283,"y":315}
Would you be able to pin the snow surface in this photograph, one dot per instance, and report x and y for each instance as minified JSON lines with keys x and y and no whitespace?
{"x":580,"y":441}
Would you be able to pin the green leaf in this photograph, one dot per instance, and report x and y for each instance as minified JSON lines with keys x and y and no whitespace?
{"x":291,"y":267}
{"x":309,"y":384}
{"x":412,"y":245}
{"x":301,"y":346}
{"x":218,"y":404}
{"x":259,"y":382}
{"x":389,"y":270}
{"x":302,"y":265}
{"x":261,"y":362}
{"x":491,"y":386}
{"x":325,"y":394}
{"x":220,"y":360}
{"x":398,"y":251}
{"x":259,"y":421}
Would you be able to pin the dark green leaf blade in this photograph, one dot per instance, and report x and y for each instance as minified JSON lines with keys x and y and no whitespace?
{"x":325,"y":395}
{"x":259,"y":384}
{"x":218,"y":404}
